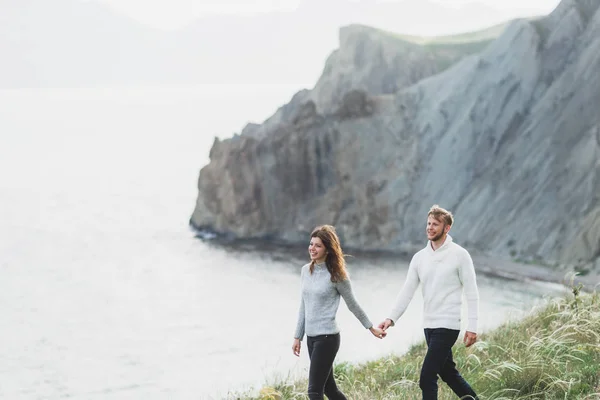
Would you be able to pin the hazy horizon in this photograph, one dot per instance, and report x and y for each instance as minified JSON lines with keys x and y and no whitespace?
{"x":100,"y":43}
{"x":179,"y":14}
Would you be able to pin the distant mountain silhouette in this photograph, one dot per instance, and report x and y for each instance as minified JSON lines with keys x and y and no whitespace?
{"x":69,"y":43}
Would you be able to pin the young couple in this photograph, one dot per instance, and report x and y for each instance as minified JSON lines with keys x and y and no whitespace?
{"x":443,"y":268}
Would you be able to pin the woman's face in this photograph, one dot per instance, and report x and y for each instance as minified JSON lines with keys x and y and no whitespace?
{"x":316,"y":250}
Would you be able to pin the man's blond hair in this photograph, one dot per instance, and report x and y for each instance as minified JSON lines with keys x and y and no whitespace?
{"x":441,"y":214}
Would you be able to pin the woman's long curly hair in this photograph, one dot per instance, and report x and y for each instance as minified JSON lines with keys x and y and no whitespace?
{"x":334,"y":260}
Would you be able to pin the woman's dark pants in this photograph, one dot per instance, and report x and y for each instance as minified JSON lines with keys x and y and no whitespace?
{"x":322,"y":351}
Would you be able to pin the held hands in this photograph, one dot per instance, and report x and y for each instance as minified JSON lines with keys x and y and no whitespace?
{"x":378,"y":332}
{"x":386,"y":324}
{"x":296,"y":347}
{"x":470,"y":338}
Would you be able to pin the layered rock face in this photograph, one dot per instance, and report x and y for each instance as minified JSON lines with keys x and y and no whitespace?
{"x":373,"y":61}
{"x":508,"y":139}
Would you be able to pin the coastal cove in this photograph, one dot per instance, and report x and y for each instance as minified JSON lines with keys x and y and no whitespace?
{"x":106,"y":290}
{"x":159,"y":190}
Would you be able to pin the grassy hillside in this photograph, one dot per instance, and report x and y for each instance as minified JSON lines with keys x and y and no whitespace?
{"x":553,"y":353}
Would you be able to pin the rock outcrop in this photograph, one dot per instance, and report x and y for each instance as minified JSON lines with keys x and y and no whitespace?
{"x":377,"y":62}
{"x":509,"y":139}
{"x":373,"y":61}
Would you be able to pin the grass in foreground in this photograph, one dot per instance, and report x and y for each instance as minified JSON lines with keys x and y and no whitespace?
{"x":553,"y":353}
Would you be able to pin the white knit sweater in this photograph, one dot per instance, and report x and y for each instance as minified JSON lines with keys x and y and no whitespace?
{"x":443,"y":273}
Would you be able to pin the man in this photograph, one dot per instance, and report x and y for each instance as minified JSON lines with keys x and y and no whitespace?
{"x":444,"y":269}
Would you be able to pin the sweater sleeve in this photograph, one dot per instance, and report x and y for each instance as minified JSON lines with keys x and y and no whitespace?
{"x":299,"y":334}
{"x":407,"y":292}
{"x":344,"y":288}
{"x":466,"y":273}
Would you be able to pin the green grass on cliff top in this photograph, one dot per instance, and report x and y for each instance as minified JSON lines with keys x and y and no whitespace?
{"x":485,"y":35}
{"x":553,"y":353}
{"x":447,"y":50}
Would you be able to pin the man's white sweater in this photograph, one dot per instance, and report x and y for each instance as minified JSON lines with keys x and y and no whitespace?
{"x":443,"y":273}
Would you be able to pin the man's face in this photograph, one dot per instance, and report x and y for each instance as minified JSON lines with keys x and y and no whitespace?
{"x":436,"y":229}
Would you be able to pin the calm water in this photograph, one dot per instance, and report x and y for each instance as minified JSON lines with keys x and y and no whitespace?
{"x":104,"y":291}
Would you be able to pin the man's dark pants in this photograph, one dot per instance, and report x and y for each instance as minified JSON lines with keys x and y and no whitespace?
{"x":438,"y":361}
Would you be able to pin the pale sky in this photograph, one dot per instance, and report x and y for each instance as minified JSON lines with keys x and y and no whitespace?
{"x":173,"y":14}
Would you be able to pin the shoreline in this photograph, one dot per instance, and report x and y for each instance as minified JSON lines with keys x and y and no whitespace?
{"x":523,"y":271}
{"x":488,"y":264}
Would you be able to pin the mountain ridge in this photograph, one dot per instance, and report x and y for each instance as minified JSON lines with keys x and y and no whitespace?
{"x":506,"y":138}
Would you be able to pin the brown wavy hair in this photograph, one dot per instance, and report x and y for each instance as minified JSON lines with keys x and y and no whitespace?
{"x":334,"y":260}
{"x":441,"y":214}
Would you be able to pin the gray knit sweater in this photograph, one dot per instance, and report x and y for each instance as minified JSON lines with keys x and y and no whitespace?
{"x":320,"y":301}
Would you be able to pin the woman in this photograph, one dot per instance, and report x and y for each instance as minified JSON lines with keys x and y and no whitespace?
{"x":324,"y":280}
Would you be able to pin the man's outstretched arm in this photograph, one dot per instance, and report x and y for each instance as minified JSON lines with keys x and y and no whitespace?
{"x":404,"y":297}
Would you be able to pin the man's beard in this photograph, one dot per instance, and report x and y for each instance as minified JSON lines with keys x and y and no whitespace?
{"x":440,"y":235}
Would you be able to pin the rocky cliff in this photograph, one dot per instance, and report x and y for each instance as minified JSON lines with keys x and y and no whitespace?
{"x":507,"y":138}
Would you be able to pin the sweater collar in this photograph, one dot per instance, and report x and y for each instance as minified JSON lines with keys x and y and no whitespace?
{"x":320,"y":266}
{"x":442,"y":247}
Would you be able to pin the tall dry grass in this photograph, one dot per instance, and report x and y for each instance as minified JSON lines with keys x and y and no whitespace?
{"x":552,"y":353}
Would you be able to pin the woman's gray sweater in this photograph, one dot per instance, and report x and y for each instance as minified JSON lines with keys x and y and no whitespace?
{"x":320,"y":301}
